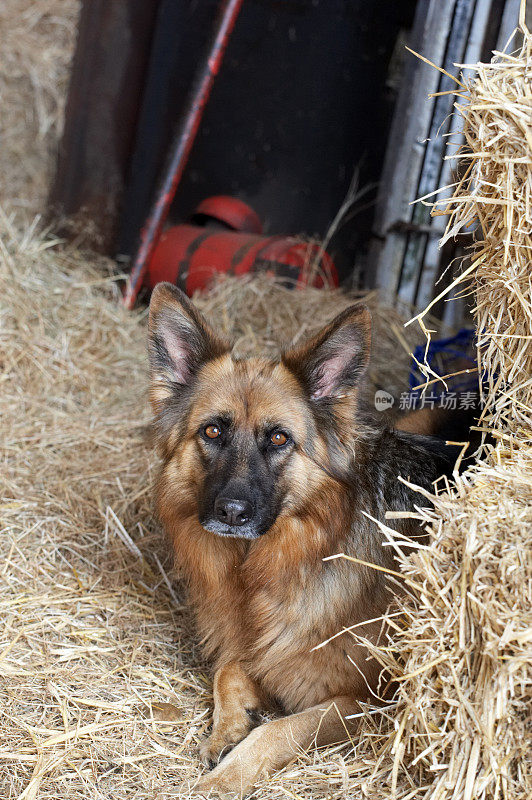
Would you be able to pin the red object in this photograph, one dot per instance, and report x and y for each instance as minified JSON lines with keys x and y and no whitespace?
{"x":190,"y":256}
{"x":181,"y":147}
{"x":231,"y":212}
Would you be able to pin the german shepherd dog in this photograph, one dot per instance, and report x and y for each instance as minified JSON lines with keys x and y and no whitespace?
{"x":268,"y":468}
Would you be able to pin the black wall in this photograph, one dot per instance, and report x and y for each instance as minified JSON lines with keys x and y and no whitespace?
{"x":301,"y":99}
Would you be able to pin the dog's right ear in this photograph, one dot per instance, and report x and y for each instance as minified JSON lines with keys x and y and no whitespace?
{"x":180,"y":343}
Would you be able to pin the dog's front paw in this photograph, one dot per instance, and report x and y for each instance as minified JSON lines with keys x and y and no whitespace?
{"x":209,"y":786}
{"x":238,"y":771}
{"x":222,"y":738}
{"x":227,"y":780}
{"x":211,"y":749}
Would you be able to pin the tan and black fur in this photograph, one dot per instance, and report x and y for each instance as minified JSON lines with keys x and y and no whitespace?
{"x":251,"y":521}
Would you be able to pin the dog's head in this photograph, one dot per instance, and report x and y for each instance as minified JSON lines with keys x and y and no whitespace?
{"x":246,"y":441}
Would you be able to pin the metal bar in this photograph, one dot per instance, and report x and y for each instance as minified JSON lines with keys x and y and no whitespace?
{"x":416,"y":271}
{"x":509,"y":22}
{"x":181,"y":147}
{"x":435,"y":262}
{"x":406,"y":145}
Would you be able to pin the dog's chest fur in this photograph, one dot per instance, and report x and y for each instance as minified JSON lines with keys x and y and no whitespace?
{"x":291,"y":615}
{"x":255,"y":605}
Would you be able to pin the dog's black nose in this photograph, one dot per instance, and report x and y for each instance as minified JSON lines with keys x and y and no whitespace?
{"x":232,"y":512}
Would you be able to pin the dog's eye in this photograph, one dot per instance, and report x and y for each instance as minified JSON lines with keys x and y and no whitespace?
{"x":212,"y":431}
{"x":278,"y":439}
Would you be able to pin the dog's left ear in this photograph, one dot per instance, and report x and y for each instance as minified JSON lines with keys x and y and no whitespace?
{"x":331,"y":364}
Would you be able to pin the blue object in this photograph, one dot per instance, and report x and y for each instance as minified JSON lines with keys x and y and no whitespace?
{"x":459,"y":348}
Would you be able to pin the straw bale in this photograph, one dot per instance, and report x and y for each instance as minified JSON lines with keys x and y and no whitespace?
{"x":38,"y":38}
{"x":463,"y":651}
